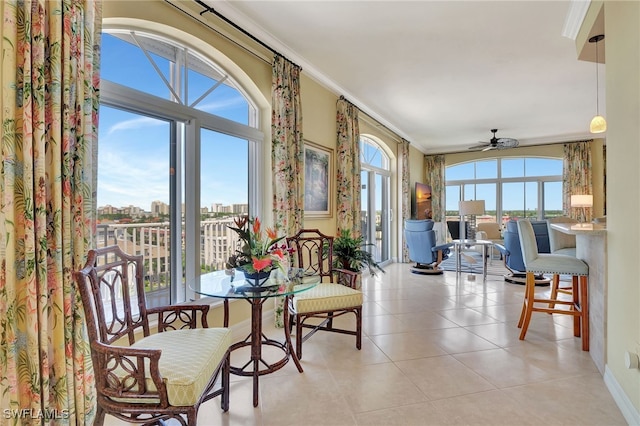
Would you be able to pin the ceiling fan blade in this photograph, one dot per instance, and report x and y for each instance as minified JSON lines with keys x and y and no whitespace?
{"x":504,"y":143}
{"x":477,"y":147}
{"x":489,"y":148}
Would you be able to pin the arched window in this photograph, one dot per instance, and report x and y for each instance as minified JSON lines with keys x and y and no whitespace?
{"x":177,"y":135}
{"x":376,"y":197}
{"x":511,"y":187}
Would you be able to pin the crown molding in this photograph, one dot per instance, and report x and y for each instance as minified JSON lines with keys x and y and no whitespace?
{"x":575,"y":17}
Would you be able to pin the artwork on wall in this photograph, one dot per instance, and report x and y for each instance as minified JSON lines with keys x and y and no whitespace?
{"x":318,"y":170}
{"x":422,"y":202}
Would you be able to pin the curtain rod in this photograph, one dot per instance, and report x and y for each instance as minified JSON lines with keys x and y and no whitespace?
{"x":220,"y":33}
{"x":209,"y":9}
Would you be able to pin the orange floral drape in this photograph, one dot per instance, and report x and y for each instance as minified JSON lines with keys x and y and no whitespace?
{"x":348,"y":168}
{"x":577,"y":177}
{"x":286,"y":154}
{"x":50,"y":86}
{"x":406,"y":193}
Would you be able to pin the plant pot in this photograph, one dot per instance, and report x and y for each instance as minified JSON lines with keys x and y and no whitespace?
{"x":255,"y":279}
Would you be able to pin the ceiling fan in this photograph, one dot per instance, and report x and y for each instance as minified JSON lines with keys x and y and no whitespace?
{"x":495,"y":143}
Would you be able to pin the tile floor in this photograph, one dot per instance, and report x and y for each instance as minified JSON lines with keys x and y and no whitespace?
{"x":436,"y":351}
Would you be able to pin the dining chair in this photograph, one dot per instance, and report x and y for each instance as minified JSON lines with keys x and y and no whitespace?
{"x":140,"y":376}
{"x":335,"y":296}
{"x":555,"y":264}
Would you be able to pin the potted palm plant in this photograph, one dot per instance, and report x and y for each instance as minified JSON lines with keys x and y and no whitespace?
{"x":349,"y":253}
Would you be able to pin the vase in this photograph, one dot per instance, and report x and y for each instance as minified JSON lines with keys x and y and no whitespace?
{"x":256,"y":279}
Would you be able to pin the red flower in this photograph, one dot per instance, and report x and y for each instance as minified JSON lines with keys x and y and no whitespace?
{"x":278,"y":253}
{"x":256,"y":226}
{"x":272,"y":234}
{"x":260,"y":264}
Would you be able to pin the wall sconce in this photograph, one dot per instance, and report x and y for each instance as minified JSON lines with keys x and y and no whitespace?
{"x":598,"y":123}
{"x":583,"y":202}
{"x":472,"y":209}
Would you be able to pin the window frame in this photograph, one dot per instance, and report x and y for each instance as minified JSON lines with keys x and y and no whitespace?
{"x":499,"y":181}
{"x":191,"y":121}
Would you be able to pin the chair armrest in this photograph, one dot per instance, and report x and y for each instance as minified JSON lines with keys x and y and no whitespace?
{"x":442,"y":247}
{"x":177,"y":317}
{"x":502,"y":249}
{"x":123,"y":372}
{"x":347,"y":277}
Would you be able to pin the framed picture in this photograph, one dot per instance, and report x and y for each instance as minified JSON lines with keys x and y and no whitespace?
{"x":318,"y":170}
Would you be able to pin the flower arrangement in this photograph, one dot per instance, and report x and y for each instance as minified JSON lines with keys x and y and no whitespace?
{"x":259,"y":251}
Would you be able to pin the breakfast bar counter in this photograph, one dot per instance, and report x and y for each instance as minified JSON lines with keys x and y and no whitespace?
{"x":591,"y":247}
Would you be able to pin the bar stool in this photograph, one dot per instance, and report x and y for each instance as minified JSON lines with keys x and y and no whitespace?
{"x":556,"y":264}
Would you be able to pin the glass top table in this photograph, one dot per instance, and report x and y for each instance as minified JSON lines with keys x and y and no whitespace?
{"x":233,"y":285}
{"x":460,"y":245}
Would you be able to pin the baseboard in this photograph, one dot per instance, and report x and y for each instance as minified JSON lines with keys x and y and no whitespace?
{"x":625,"y":405}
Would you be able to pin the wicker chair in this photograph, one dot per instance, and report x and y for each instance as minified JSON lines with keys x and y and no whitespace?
{"x":142,"y":377}
{"x":335,"y":296}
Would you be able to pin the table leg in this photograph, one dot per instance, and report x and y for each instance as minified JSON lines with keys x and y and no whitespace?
{"x":458,"y":259}
{"x":257,"y":366}
{"x":256,"y":344}
{"x":484,"y":262}
{"x":287,"y":335}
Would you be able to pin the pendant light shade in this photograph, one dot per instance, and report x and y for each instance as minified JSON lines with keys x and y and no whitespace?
{"x":598,"y":123}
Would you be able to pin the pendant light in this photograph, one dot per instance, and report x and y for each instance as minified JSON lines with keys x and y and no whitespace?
{"x":598,"y":124}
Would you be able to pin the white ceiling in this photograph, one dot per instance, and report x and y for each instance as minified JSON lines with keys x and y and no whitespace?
{"x":441,"y":74}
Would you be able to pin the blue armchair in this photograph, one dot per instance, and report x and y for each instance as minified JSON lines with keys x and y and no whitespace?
{"x":421,"y":242}
{"x":512,"y":252}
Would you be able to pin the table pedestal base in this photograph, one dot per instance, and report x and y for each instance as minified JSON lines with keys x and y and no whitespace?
{"x":257,"y":366}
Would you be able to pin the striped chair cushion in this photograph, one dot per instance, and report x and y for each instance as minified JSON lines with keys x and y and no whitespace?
{"x":327,"y":297}
{"x":189,"y":359}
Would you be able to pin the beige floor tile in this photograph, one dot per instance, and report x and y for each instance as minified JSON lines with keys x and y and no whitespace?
{"x":443,"y":377}
{"x":375,"y":387}
{"x":436,"y":350}
{"x":466,"y":316}
{"x":412,"y":345}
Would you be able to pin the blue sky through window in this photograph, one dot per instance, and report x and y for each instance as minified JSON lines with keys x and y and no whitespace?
{"x":133,"y":153}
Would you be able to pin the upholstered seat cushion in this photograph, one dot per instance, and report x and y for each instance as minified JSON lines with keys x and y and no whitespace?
{"x":188,"y":361}
{"x":327,"y":297}
{"x":567,"y":251}
{"x":557,"y":264}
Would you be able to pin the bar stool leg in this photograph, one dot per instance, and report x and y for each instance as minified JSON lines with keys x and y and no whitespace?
{"x":575,"y":294}
{"x":528,"y":304}
{"x":584,"y":307}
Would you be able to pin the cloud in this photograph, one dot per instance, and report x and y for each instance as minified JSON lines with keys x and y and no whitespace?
{"x":135,"y":123}
{"x":224,"y":104}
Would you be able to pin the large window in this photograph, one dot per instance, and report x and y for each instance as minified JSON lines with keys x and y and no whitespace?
{"x":177,"y":135}
{"x":511,"y":187}
{"x":375,"y":201}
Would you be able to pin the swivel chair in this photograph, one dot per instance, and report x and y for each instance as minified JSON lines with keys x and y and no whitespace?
{"x":421,"y":242}
{"x":512,"y":253}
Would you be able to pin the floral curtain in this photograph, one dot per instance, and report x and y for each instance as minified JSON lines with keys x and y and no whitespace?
{"x":576,"y":177}
{"x":50,"y":79}
{"x":434,"y":174}
{"x":286,"y":153}
{"x":348,"y":168}
{"x":406,"y":193}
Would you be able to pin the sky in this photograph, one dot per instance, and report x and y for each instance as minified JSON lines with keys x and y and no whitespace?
{"x":133,"y":159}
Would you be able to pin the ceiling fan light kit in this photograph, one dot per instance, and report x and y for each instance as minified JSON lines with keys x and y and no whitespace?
{"x":496,"y":143}
{"x":598,"y":123}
